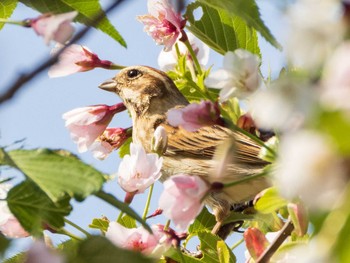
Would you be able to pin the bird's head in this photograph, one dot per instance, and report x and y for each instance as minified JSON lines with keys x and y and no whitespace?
{"x":145,"y":90}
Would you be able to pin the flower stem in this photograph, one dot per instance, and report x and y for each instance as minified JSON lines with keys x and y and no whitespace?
{"x":116,"y":66}
{"x":77,"y":227}
{"x":255,"y":139}
{"x":246,"y":178}
{"x":237,"y":244}
{"x":13,"y":22}
{"x":167,"y":224}
{"x":148,"y":202}
{"x":67,"y":233}
{"x":193,"y":56}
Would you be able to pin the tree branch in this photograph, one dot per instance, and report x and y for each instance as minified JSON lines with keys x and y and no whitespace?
{"x":26,"y":77}
{"x":270,"y":250}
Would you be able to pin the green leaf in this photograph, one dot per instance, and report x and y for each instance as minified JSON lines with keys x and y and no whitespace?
{"x":122,"y":207}
{"x":249,"y":12}
{"x":270,"y":201}
{"x":97,"y":249}
{"x":125,"y":148}
{"x":209,"y":248}
{"x":34,"y":209}
{"x":204,"y":221}
{"x":337,"y":125}
{"x":58,"y":173}
{"x":18,"y":258}
{"x":6,"y":9}
{"x":127,"y":221}
{"x":223,"y":252}
{"x":88,"y":9}
{"x":221,"y":30}
{"x":4,"y":243}
{"x":176,"y":255}
{"x":100,"y":223}
{"x":69,"y":248}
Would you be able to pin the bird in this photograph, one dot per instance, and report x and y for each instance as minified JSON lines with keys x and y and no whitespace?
{"x":149,"y":94}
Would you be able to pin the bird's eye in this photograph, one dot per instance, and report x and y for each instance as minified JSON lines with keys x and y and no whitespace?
{"x":133,"y":73}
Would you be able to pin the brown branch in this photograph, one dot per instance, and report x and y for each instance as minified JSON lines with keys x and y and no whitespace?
{"x":270,"y":250}
{"x":26,"y":77}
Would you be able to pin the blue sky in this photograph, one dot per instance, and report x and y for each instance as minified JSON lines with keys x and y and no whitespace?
{"x":35,"y":113}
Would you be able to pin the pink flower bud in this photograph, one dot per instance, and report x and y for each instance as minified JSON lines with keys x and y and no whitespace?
{"x":298,"y":215}
{"x":54,"y":27}
{"x":76,"y":58}
{"x":256,"y":242}
{"x":88,"y":123}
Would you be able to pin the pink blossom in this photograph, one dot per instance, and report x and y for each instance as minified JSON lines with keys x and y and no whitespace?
{"x":76,"y":58}
{"x":9,"y":224}
{"x":256,"y":242}
{"x":194,"y":116}
{"x":139,"y":170}
{"x":41,"y":253}
{"x":87,"y":123}
{"x":54,"y":27}
{"x":111,"y":139}
{"x":181,"y":199}
{"x":163,"y":24}
{"x":138,"y":239}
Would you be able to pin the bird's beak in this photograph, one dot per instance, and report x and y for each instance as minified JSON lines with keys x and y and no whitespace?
{"x":108,"y":85}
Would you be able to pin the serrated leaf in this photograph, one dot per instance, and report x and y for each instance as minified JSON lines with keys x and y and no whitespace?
{"x":221,"y":30}
{"x":247,"y":10}
{"x":34,"y":209}
{"x":127,"y":221}
{"x":125,"y":148}
{"x":176,"y":255}
{"x":58,"y":173}
{"x":18,"y":258}
{"x":270,"y":201}
{"x":87,"y":9}
{"x":209,"y":249}
{"x":97,"y":249}
{"x":6,"y":9}
{"x":204,"y":221}
{"x":100,"y":223}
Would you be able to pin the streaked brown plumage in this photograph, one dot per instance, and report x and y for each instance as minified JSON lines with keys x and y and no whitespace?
{"x":148,"y":94}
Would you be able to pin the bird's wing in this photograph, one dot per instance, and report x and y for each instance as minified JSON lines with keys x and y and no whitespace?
{"x":204,"y":142}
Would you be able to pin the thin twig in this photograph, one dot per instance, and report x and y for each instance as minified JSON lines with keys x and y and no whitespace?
{"x":26,"y":77}
{"x":268,"y":253}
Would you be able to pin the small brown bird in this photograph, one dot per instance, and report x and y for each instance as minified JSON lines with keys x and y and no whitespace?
{"x":148,"y":94}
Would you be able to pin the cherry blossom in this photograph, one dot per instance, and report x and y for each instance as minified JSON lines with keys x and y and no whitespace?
{"x":54,"y":27}
{"x":335,"y":92}
{"x":181,"y":200}
{"x":307,"y":172}
{"x":139,"y":170}
{"x":87,"y":123}
{"x":138,"y":239}
{"x":163,"y":24}
{"x":39,"y":252}
{"x":168,"y":60}
{"x":9,"y":225}
{"x":111,"y":139}
{"x":77,"y":58}
{"x":239,"y":76}
{"x":194,"y":116}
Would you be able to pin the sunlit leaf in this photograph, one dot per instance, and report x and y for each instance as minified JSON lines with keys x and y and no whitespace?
{"x":270,"y":201}
{"x":221,"y":30}
{"x":100,"y":223}
{"x":88,"y":9}
{"x":58,"y":173}
{"x":6,"y":9}
{"x":127,"y":221}
{"x":248,"y":11}
{"x":204,"y":221}
{"x":125,"y":148}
